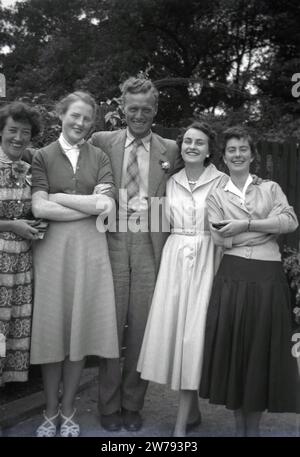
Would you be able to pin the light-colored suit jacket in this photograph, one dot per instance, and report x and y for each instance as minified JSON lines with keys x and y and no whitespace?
{"x":161,"y":150}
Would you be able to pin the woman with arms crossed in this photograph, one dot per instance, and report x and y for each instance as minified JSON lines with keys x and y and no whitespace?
{"x":74,"y":308}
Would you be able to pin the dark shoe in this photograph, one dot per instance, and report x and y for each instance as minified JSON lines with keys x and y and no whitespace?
{"x":191,"y":425}
{"x":111,"y":422}
{"x":132,"y":420}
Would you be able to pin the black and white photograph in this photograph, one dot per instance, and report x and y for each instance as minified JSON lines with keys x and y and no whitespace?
{"x":149,"y":223}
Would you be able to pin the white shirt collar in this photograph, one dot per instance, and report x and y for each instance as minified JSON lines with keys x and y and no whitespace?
{"x":209,"y":174}
{"x":230,"y":187}
{"x":66,"y":146}
{"x":130,"y":139}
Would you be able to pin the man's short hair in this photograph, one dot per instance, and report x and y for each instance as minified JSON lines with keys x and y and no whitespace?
{"x":135,"y":85}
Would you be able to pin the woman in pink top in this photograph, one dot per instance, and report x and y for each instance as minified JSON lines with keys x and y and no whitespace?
{"x":247,"y":364}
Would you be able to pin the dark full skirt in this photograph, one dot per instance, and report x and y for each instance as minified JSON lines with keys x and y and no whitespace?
{"x":247,"y":352}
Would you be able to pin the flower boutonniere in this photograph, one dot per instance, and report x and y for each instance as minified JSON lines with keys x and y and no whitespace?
{"x":165,"y":165}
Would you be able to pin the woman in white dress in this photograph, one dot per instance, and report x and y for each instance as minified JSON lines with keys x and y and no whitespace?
{"x":173,"y":342}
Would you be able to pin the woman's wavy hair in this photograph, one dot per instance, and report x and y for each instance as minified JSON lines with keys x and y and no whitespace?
{"x":21,"y":112}
{"x":208,"y":131}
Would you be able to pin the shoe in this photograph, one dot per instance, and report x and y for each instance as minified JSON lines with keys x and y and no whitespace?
{"x":69,"y":428}
{"x":48,"y":428}
{"x":111,"y":422}
{"x":191,"y":425}
{"x":132,"y":420}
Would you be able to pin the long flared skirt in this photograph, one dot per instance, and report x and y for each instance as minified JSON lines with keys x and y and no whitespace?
{"x":172,"y":348}
{"x":247,"y":352}
{"x":74,"y":308}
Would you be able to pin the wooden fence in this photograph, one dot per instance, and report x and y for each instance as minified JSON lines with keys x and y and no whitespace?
{"x":279,"y":162}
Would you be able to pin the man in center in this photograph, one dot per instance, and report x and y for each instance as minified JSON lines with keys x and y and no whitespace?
{"x":142,"y":162}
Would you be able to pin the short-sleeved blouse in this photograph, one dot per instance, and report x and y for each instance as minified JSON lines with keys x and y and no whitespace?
{"x":52,"y":171}
{"x":79,"y":318}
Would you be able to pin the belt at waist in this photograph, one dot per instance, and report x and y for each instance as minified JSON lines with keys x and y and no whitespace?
{"x":191,"y":232}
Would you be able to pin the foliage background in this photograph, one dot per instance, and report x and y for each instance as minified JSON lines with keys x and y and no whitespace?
{"x":227,"y":61}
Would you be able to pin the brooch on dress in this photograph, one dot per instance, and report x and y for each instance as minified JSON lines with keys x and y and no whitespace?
{"x":18,"y":170}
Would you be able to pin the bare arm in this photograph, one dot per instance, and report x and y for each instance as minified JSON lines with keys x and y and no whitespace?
{"x":21,"y":227}
{"x":88,"y":204}
{"x":42,"y":207}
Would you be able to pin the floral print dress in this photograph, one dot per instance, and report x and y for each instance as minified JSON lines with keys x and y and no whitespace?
{"x":15,"y":273}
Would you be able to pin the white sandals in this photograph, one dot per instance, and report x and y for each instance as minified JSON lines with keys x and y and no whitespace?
{"x":48,"y":428}
{"x":68,"y":426}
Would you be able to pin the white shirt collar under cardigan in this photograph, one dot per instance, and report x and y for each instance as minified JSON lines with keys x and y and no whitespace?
{"x":230,"y":187}
{"x":71,"y":150}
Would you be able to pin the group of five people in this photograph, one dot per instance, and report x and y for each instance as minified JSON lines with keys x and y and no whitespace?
{"x":146,"y":295}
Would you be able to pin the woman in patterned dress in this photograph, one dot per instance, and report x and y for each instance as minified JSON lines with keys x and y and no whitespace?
{"x":74,"y":308}
{"x":18,"y":124}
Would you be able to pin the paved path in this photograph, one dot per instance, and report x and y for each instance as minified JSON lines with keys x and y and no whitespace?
{"x":159,"y":417}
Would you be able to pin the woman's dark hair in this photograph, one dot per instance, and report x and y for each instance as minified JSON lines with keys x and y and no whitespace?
{"x":21,"y":112}
{"x":63,"y":105}
{"x":241,"y":133}
{"x":209,"y":132}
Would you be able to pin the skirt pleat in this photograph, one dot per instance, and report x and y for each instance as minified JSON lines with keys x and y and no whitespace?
{"x":247,"y":353}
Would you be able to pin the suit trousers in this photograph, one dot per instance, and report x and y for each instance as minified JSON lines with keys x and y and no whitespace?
{"x":133,"y":267}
